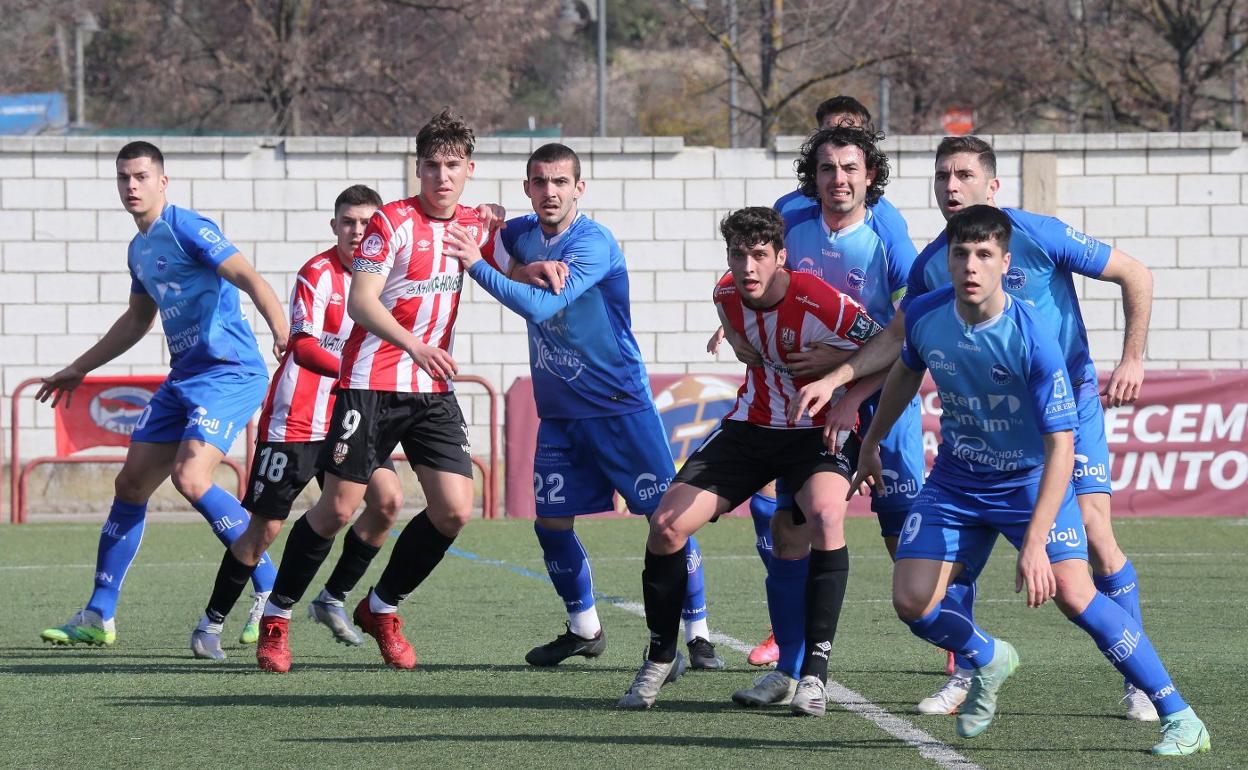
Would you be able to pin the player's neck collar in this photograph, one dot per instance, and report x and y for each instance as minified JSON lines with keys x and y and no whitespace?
{"x":972,"y":328}
{"x":833,"y":235}
{"x":551,"y":240}
{"x":147,"y":231}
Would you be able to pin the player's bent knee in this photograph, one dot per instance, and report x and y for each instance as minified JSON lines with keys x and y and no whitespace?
{"x":1074,"y":586}
{"x":190,"y":484}
{"x":910,"y":605}
{"x":666,"y":540}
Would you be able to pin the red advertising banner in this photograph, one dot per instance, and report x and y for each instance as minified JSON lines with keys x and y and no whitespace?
{"x":1179,"y":451}
{"x":103,"y":412}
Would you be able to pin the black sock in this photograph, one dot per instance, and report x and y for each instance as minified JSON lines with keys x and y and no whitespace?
{"x":232,"y":575}
{"x":418,"y":550}
{"x":663,"y":588}
{"x":305,"y":551}
{"x":825,"y":591}
{"x":351,"y":566}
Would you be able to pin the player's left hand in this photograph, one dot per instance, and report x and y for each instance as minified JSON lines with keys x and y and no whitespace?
{"x":460,"y":245}
{"x":1124,"y":383}
{"x":840,"y":421}
{"x":816,"y":361}
{"x":549,"y":274}
{"x":279,"y":347}
{"x":869,"y":474}
{"x":493,"y":216}
{"x":1035,"y":573}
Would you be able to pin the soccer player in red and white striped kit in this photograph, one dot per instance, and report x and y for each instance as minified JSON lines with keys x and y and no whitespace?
{"x":293,"y":423}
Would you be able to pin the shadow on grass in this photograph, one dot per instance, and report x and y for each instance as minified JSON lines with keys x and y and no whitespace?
{"x":443,"y":701}
{"x":684,"y":741}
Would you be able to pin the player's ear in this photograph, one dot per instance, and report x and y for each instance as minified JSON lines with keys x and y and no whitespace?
{"x":526,"y":188}
{"x":472,"y":166}
{"x":781,"y":257}
{"x":580,"y":189}
{"x":333,"y":225}
{"x":994,"y":184}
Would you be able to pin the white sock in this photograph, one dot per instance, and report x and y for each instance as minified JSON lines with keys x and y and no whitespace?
{"x":697,"y":628}
{"x":965,"y":673}
{"x":207,"y":625}
{"x":325,"y":597}
{"x":271,"y":610}
{"x":378,"y":607}
{"x":585,"y":624}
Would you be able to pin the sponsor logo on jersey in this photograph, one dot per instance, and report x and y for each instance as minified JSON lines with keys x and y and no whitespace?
{"x":1015,"y":279}
{"x":863,"y":328}
{"x":184,"y":340}
{"x":808,"y":265}
{"x":340,"y":452}
{"x":1069,"y":537}
{"x":117,"y":410}
{"x":164,"y":289}
{"x":971,"y":346}
{"x":1000,"y":375}
{"x":335,"y":299}
{"x":788,"y":338}
{"x":936,"y":361}
{"x":648,"y":487}
{"x":975,"y":449}
{"x":1012,"y":403}
{"x":210,"y":425}
{"x":1083,"y":469}
{"x":564,"y":363}
{"x":830,"y":253}
{"x":423,"y":245}
{"x":162,"y":262}
{"x":724,"y":291}
{"x":371,"y":246}
{"x":856,"y":278}
{"x":436,"y":285}
{"x":805,"y":300}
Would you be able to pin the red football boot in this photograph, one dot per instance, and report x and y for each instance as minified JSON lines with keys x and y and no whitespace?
{"x":386,"y":628}
{"x":272,"y":651}
{"x":766,"y":653}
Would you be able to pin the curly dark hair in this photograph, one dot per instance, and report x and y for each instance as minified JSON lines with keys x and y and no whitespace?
{"x":445,"y":133}
{"x":752,"y":225}
{"x":842,"y":136}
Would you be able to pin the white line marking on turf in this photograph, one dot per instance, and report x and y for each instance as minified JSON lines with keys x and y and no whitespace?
{"x":929,"y":747}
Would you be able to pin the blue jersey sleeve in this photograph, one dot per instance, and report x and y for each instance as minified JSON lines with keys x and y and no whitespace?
{"x":898,"y":248}
{"x":1067,"y":247}
{"x":200,"y":237}
{"x":588,"y":261}
{"x":1051,"y":393}
{"x":916,"y":280}
{"x":136,"y":286}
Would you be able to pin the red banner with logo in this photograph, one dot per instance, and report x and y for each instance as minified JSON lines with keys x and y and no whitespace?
{"x":103,"y":412}
{"x":1181,"y":450}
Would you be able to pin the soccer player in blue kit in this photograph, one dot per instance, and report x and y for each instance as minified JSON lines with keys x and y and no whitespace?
{"x":1046,"y":255}
{"x":842,"y":242}
{"x":184,"y":269}
{"x":1004,"y":471}
{"x":600,"y":431}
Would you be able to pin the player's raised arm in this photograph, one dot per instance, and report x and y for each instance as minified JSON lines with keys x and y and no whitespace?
{"x":238,"y":271}
{"x":125,"y":332}
{"x":1136,"y":282}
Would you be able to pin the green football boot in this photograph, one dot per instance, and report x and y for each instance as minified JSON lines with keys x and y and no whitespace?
{"x":981,"y":701}
{"x":1182,"y":733}
{"x":85,"y":627}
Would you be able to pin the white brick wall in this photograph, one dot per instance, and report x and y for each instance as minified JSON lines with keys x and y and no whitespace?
{"x":1179,"y":203}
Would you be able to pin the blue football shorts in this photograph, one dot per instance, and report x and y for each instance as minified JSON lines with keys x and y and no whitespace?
{"x":213,"y":407}
{"x":901,"y":454}
{"x":1091,"y":445}
{"x":951,"y":522}
{"x":580,"y":464}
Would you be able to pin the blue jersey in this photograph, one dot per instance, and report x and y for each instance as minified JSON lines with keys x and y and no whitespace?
{"x":869,"y":261}
{"x":175,"y":263}
{"x":1044,"y":254}
{"x":582,"y":354}
{"x":1002,"y":385}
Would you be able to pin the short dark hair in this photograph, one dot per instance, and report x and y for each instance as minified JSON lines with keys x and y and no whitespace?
{"x":445,"y":133}
{"x":141,"y":150}
{"x":976,"y":224}
{"x":553,"y":153}
{"x":752,"y":225}
{"x":842,"y":104}
{"x":954,"y":145}
{"x":357,"y":195}
{"x":807,"y":163}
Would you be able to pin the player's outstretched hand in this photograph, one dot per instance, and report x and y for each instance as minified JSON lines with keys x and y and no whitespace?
{"x":493,"y":216}
{"x":546,"y":274}
{"x":1124,"y":383}
{"x":817,"y":361}
{"x":60,"y":386}
{"x":712,"y":345}
{"x":1035,"y":573}
{"x":812,"y":397}
{"x":459,"y":244}
{"x":436,"y":361}
{"x":870,"y":473}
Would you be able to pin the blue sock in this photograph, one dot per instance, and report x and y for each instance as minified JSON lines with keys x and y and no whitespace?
{"x":1124,"y":642}
{"x":120,"y":538}
{"x":947,"y":627}
{"x":568,"y":567}
{"x":228,"y":519}
{"x":786,"y":603}
{"x":762,"y":511}
{"x":694,"y":607}
{"x":962,"y":594}
{"x":1123,"y":588}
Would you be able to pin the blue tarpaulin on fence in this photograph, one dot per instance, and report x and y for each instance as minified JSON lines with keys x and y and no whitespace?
{"x":33,"y":113}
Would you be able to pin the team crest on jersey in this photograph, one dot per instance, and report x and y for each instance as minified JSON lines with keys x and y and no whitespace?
{"x":161,"y":262}
{"x":856,"y":278}
{"x":788,"y":339}
{"x":257,"y":489}
{"x":209,"y":235}
{"x":371,"y":246}
{"x":1000,"y":374}
{"x":473,"y":232}
{"x":1015,"y":279}
{"x":340,"y":452}
{"x":863,"y":328}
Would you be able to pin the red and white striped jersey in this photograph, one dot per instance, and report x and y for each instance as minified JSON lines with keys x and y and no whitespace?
{"x":812,"y":312}
{"x":300,"y":402}
{"x":421,"y":291}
